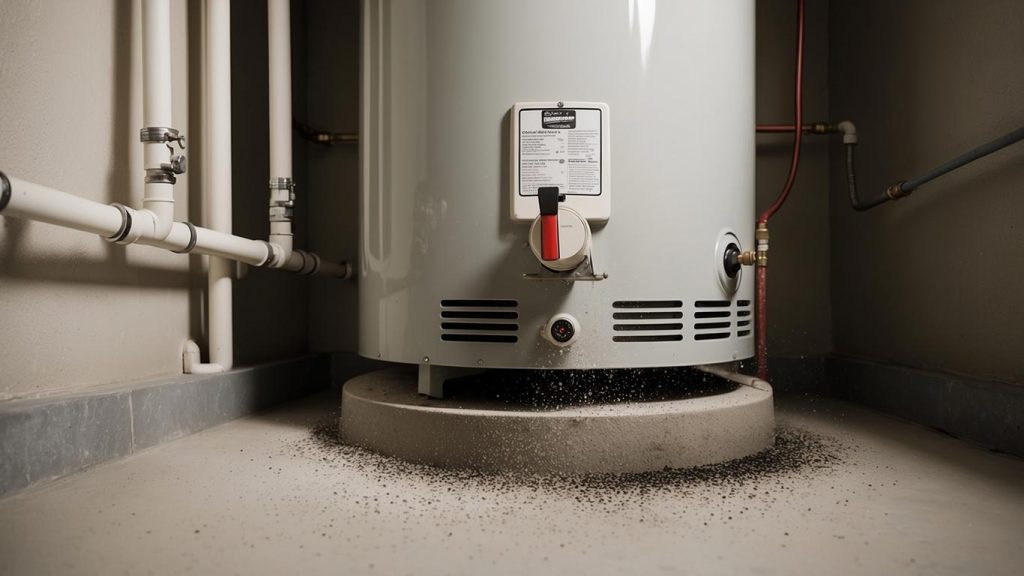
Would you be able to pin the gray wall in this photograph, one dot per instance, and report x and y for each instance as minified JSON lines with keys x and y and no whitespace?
{"x":934,"y":280}
{"x":333,"y":227}
{"x":271,"y":306}
{"x":799,"y":314}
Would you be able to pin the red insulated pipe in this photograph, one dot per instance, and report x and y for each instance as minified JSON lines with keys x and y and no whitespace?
{"x":799,"y":120}
{"x":761,"y":329}
{"x":781,"y":128}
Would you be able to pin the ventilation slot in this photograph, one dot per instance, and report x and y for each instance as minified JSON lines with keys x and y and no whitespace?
{"x":479,"y":321}
{"x":712,"y":314}
{"x":743,"y":326}
{"x":714,"y":320}
{"x":647,"y":304}
{"x":711,"y":325}
{"x":649,"y":338}
{"x":711,"y":304}
{"x":636,"y":327}
{"x":648,"y":316}
{"x":698,"y":336}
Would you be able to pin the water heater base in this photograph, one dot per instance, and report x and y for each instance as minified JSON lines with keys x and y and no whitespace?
{"x":383,"y":412}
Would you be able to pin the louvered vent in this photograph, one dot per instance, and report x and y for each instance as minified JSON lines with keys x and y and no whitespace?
{"x":481,"y":320}
{"x":647,"y":321}
{"x":744,"y":320}
{"x":712,"y":319}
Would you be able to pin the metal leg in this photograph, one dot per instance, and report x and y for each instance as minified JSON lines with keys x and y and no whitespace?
{"x":432,"y":378}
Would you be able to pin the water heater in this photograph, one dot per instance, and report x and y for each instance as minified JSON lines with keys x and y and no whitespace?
{"x":556,"y":184}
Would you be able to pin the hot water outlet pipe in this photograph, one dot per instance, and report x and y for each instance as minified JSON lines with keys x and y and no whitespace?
{"x":761,"y":232}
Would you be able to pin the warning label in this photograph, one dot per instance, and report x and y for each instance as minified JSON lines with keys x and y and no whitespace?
{"x":560,"y":147}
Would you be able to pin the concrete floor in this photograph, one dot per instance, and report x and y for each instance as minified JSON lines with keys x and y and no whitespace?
{"x":857,"y":493}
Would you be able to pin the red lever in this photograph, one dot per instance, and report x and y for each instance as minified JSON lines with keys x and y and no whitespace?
{"x":548,"y":197}
{"x":549,"y":237}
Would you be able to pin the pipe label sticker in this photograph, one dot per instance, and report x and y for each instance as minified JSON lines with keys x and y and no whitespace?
{"x":560,"y":147}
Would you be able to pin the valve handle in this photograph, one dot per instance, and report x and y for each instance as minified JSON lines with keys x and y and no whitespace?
{"x":548,"y":198}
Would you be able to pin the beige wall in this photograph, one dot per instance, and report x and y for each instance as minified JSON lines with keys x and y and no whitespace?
{"x":933,"y":281}
{"x":799,"y":316}
{"x":76,"y":311}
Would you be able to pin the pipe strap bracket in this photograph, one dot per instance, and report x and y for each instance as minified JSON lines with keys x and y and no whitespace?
{"x":161,"y":134}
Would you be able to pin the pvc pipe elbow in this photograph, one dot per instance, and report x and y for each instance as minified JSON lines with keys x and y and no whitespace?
{"x":849,"y":131}
{"x":191,"y":364}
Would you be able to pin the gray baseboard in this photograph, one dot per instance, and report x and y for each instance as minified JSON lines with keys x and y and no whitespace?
{"x":986,"y":412}
{"x":47,"y":438}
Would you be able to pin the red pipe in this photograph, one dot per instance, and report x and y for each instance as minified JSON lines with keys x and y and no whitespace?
{"x":761,"y":329}
{"x":781,"y":127}
{"x":761,"y":326}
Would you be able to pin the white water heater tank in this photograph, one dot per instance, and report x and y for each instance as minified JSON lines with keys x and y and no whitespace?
{"x":555,"y":183}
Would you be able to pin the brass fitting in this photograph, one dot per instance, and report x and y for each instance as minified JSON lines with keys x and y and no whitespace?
{"x":822,"y":128}
{"x":747,"y":258}
{"x":761,"y":232}
{"x":761,"y":236}
{"x":896,"y":191}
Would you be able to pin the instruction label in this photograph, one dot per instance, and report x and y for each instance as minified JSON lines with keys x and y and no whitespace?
{"x":560,"y":147}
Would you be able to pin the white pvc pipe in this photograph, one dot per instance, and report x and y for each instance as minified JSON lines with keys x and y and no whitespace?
{"x":218,"y":185}
{"x":156,"y":107}
{"x":280,"y":72}
{"x":279,"y":42}
{"x":34,"y":202}
{"x":190,"y":361}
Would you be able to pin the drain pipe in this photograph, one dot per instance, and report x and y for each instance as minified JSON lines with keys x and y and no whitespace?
{"x":217,"y":188}
{"x":162,"y":162}
{"x":119,"y":224}
{"x":281,"y":185}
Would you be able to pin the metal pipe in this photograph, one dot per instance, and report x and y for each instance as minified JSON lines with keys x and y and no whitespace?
{"x":905,"y":187}
{"x":962,"y":160}
{"x":851,"y":185}
{"x":323,"y":137}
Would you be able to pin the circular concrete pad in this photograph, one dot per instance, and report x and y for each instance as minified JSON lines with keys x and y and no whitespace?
{"x":383,"y":412}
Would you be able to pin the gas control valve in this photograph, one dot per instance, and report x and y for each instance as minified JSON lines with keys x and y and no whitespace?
{"x":560,"y":236}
